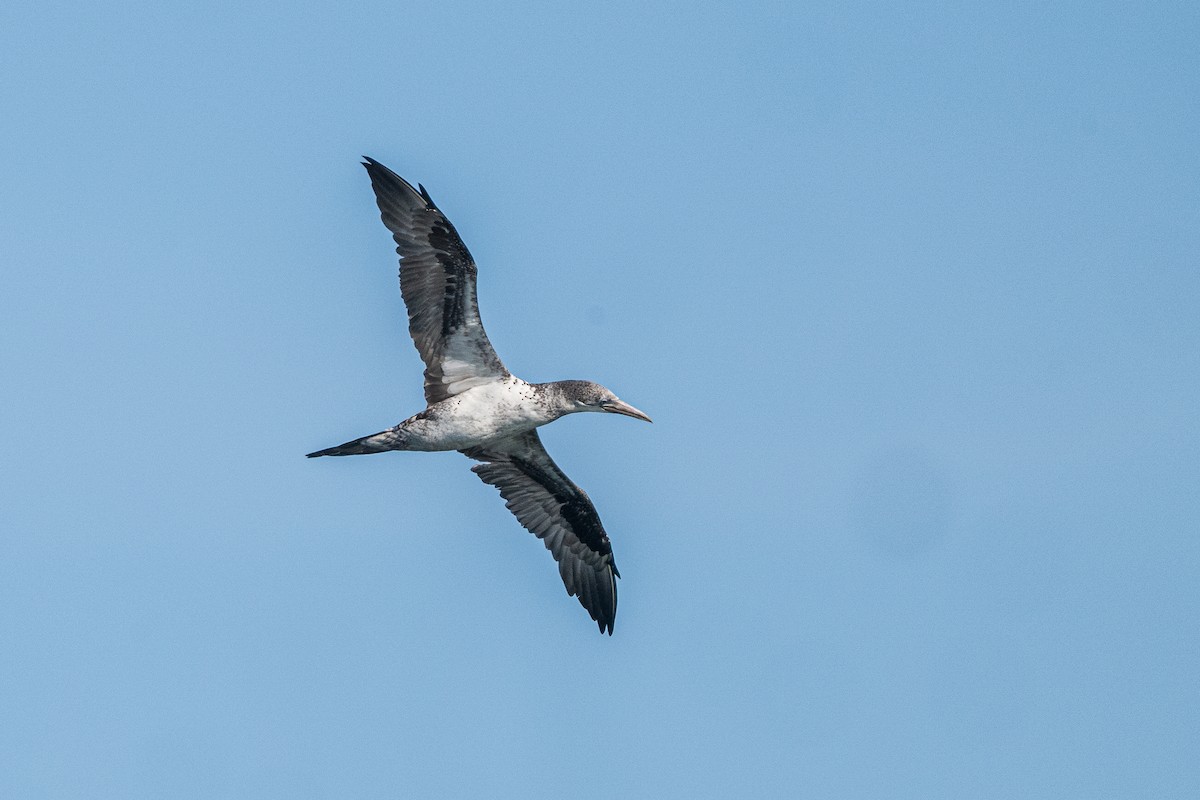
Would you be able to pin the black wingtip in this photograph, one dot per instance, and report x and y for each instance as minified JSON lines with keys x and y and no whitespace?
{"x":373,"y":167}
{"x":386,"y":179}
{"x":377,"y":170}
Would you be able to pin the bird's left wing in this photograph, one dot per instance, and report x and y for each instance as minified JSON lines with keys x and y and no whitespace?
{"x":437,"y":281}
{"x":559,"y":513}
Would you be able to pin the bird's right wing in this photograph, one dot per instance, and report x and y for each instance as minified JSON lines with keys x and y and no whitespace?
{"x":437,"y":282}
{"x":559,"y":513}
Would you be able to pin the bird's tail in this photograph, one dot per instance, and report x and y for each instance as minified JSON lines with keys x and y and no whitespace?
{"x":391,"y":439}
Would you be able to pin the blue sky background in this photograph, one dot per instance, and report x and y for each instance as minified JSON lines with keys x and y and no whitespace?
{"x":912,"y":295}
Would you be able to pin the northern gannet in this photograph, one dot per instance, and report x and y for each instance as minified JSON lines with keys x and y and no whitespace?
{"x":476,"y":406}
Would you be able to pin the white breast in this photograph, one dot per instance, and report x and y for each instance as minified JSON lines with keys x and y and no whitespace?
{"x":480,"y":414}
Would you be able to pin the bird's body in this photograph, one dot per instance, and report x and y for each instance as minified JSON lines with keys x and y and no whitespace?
{"x":478,"y":416}
{"x":476,"y":406}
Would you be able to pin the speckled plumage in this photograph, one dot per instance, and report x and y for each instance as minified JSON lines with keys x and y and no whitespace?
{"x":476,"y":406}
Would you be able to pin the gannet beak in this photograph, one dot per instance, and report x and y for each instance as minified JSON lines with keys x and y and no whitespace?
{"x":621,"y":407}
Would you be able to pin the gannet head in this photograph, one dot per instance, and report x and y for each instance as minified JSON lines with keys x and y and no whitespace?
{"x":588,"y":396}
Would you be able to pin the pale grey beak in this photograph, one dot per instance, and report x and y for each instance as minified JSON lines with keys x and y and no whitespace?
{"x":621,"y":407}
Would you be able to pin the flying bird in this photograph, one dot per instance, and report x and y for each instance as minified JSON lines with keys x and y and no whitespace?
{"x":477,"y":407}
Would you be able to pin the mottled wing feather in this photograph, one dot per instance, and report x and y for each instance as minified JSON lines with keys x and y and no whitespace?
{"x":559,"y":513}
{"x":437,"y":282}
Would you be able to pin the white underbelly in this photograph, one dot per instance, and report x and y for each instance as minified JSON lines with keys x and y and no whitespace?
{"x":477,"y":416}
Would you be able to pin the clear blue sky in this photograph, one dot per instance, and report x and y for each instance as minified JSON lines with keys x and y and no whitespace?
{"x":912,"y":295}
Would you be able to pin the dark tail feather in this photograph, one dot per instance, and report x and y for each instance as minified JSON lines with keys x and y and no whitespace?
{"x":390,"y":439}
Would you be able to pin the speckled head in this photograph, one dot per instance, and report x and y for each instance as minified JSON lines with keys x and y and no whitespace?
{"x":588,"y":396}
